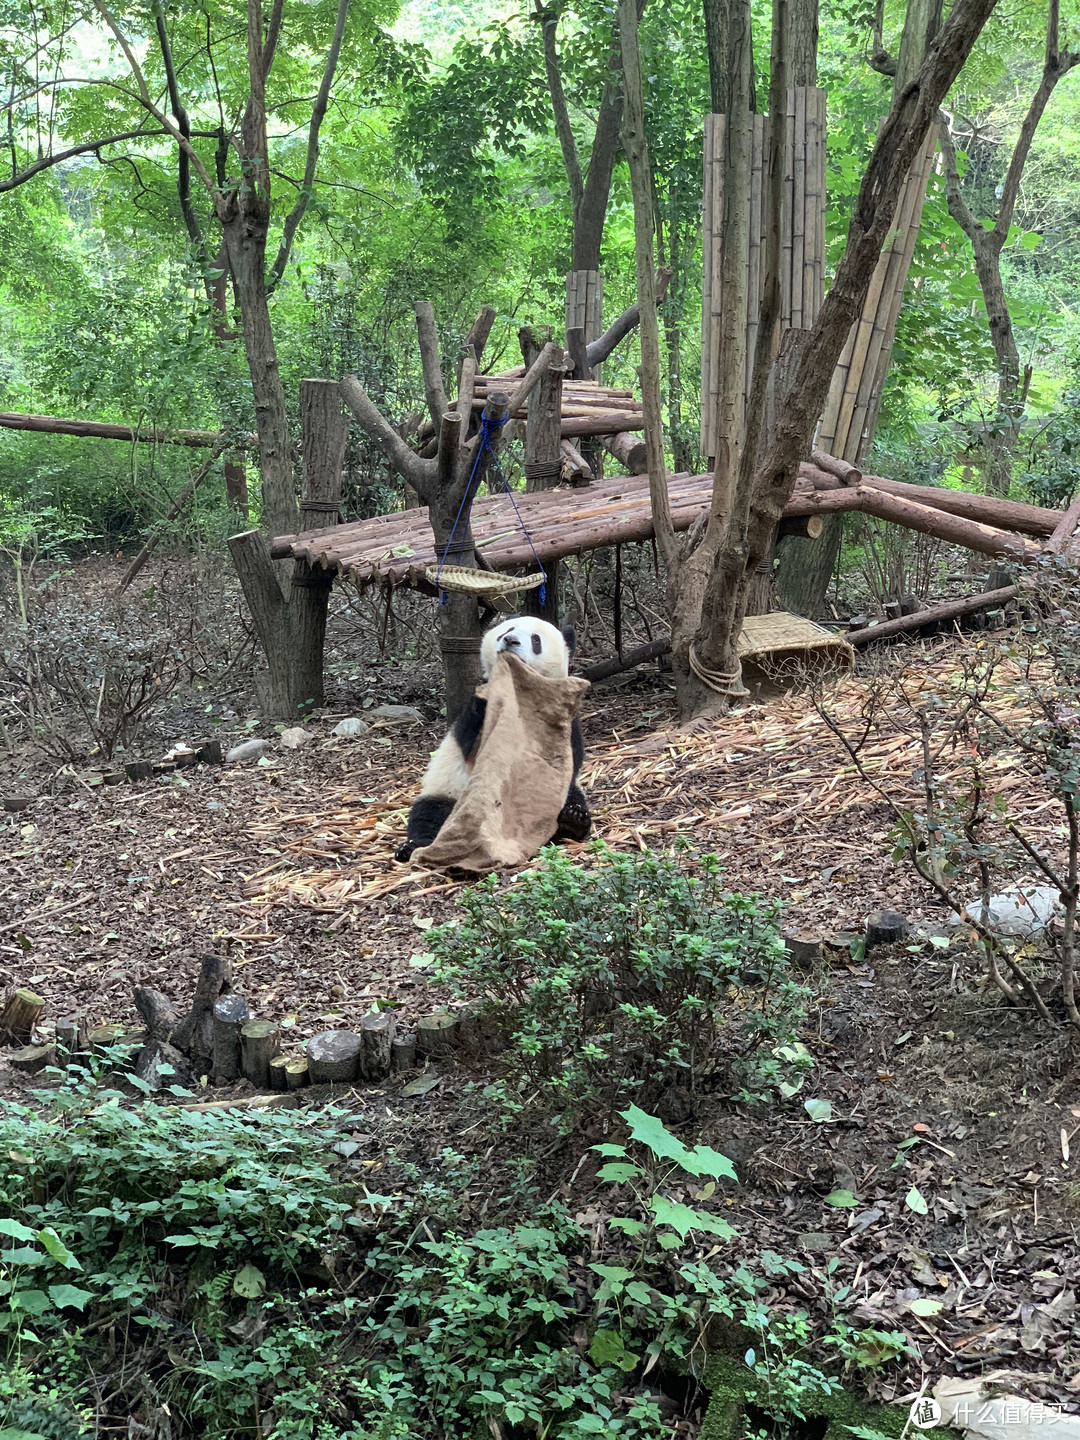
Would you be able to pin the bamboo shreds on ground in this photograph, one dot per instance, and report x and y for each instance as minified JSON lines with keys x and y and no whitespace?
{"x":768,"y":773}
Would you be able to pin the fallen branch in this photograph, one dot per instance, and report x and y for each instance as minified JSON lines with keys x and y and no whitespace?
{"x":604,"y":669}
{"x":938,"y":614}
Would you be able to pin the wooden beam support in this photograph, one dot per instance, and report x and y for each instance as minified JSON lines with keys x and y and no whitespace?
{"x":936,"y":615}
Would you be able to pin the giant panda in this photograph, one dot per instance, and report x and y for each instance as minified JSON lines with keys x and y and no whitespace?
{"x":547,"y":650}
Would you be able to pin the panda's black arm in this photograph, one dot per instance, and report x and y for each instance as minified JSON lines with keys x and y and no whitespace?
{"x":427,"y":816}
{"x":466,"y":728}
{"x":575,"y":821}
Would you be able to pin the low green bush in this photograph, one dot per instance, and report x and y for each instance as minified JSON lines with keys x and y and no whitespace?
{"x":624,"y":978}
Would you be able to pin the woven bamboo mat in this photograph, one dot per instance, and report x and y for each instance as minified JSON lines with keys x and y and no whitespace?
{"x":767,"y":772}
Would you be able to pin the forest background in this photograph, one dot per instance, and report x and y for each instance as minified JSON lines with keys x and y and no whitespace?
{"x":440,"y":177}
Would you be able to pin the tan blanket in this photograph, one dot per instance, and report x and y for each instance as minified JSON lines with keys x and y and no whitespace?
{"x":522,"y":771}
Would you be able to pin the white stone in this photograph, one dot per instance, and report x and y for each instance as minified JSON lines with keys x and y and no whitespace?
{"x":295,"y":737}
{"x":249,"y":750}
{"x":350,"y":727}
{"x":398,"y":714}
{"x":1021,"y":912}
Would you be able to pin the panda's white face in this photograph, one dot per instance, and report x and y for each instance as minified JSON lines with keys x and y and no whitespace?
{"x":543,"y":647}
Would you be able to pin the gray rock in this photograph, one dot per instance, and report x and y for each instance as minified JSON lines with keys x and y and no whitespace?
{"x":350,"y":727}
{"x":249,"y":750}
{"x":397,"y":714}
{"x":1021,"y":912}
{"x":296,"y":737}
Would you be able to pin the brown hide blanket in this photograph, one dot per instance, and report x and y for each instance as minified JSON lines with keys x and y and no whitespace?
{"x":521,"y":773}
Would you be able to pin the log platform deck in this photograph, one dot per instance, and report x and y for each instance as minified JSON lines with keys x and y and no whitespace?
{"x":398,"y":548}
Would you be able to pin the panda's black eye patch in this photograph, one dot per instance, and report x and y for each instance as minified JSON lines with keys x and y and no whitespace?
{"x":537,"y":644}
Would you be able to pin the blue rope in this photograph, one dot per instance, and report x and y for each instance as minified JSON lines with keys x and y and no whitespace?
{"x":487,"y":428}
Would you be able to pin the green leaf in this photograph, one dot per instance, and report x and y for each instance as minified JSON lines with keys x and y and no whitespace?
{"x":617,"y":1172}
{"x":607,"y":1348}
{"x":57,"y":1249}
{"x":613,"y":1274}
{"x":11,"y":1433}
{"x":703,"y":1160}
{"x":591,"y":1425}
{"x":64,"y":1295}
{"x":914,"y":1201}
{"x":618,"y":1151}
{"x":842,"y":1199}
{"x":924,"y":1305}
{"x":34,"y":1302}
{"x":819,"y":1110}
{"x":249,"y":1282}
{"x":15,"y":1230}
{"x":639,"y":1292}
{"x":683,"y":1219}
{"x":182,"y":1240}
{"x":627,"y":1226}
{"x":650,"y":1131}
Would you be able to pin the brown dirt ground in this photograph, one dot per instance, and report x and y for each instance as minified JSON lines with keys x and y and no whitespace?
{"x":287,"y":867}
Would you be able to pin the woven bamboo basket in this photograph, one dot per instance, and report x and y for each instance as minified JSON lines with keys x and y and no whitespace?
{"x":781,"y":639}
{"x":463,"y":580}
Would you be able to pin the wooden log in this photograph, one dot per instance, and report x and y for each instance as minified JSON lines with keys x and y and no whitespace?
{"x":277,"y":1072}
{"x":430,"y":362}
{"x":32,"y":1058}
{"x":158,"y":1013}
{"x":1065,"y":528}
{"x":334,"y":1057}
{"x":231,"y":1014}
{"x":599,"y":349}
{"x":807,"y":527}
{"x":377,"y":1037}
{"x":603,"y":422}
{"x":935,"y":615}
{"x":953,"y":529}
{"x":989,"y":509}
{"x":259,"y":1042}
{"x":435,"y":1033}
{"x":211,"y":752}
{"x":137,"y":770}
{"x":542,"y":434}
{"x":195,"y":1033}
{"x":603,"y":669}
{"x":296,"y":1072}
{"x":804,"y":948}
{"x":575,"y":468}
{"x":403,"y":1052}
{"x":20,"y":1013}
{"x":103,"y":1037}
{"x":100,"y":430}
{"x":843,"y":470}
{"x":577,"y":350}
{"x":629,"y":450}
{"x":450,"y":439}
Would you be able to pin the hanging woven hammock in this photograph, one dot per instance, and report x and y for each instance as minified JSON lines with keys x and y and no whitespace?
{"x":463,"y":580}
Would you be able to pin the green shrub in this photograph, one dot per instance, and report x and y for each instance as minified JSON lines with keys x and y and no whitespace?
{"x":629,"y":976}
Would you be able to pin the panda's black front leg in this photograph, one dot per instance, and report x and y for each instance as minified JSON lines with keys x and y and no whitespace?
{"x":575,"y":821}
{"x":427,"y":816}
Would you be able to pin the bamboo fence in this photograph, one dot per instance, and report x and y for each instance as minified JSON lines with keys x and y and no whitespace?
{"x":850,"y":414}
{"x":802,"y":236}
{"x":585,"y":305}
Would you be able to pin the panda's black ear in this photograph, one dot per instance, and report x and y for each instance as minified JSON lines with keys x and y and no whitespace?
{"x":570,"y":636}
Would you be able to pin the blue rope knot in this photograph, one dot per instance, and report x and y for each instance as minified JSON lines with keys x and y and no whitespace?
{"x":488,"y":427}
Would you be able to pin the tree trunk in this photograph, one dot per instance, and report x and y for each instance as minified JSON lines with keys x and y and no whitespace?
{"x":813,"y":359}
{"x":292,"y":626}
{"x":245,"y":229}
{"x":543,"y":467}
{"x":730,"y":43}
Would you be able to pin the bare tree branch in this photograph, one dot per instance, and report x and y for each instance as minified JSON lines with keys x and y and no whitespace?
{"x":318,"y":113}
{"x":273,"y":34}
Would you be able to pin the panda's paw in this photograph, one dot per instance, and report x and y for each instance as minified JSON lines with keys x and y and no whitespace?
{"x":404,"y":853}
{"x":574,"y":822}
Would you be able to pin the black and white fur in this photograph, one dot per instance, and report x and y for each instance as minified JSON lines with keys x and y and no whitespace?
{"x":547,"y":650}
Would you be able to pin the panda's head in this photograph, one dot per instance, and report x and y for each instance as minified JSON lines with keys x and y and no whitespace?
{"x":543,"y":647}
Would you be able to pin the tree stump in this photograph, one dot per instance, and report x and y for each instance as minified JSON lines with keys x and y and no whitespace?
{"x":195,"y":1033}
{"x":296,"y":1072}
{"x":156,"y":1060}
{"x":210,"y":752}
{"x":101,"y":1038}
{"x":231,"y":1014}
{"x":885,"y":927}
{"x":377,"y":1037}
{"x":334,"y":1057}
{"x":71,"y":1035}
{"x":137,"y":770}
{"x":803,"y":948}
{"x":277,"y":1072}
{"x":435,"y":1033}
{"x":32,"y":1058}
{"x":403,"y":1052}
{"x":158,"y":1013}
{"x":20,"y":1013}
{"x":258,"y":1046}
